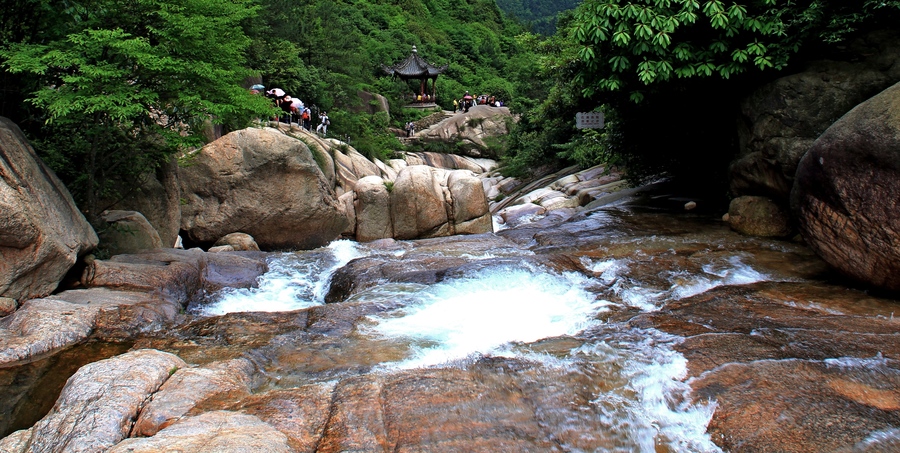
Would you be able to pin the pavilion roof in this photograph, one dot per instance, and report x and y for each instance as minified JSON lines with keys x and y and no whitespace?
{"x":414,"y":67}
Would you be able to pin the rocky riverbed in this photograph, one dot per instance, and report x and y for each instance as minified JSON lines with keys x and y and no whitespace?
{"x":636,"y":326}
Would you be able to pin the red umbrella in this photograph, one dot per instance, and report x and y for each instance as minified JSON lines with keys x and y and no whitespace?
{"x":467,"y":97}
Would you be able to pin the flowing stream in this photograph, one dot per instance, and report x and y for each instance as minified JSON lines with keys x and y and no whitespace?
{"x":559,"y":338}
{"x":557,"y":321}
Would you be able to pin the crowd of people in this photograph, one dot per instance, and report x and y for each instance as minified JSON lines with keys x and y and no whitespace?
{"x":294,"y":110}
{"x":468,"y":101}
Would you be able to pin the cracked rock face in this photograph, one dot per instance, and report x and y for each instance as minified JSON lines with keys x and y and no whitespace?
{"x":846,"y":193}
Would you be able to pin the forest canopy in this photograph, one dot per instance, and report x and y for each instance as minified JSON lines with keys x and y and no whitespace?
{"x":109,"y":90}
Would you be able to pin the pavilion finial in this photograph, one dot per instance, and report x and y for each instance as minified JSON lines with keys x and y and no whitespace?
{"x":414,"y":49}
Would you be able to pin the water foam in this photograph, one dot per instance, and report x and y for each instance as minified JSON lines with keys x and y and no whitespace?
{"x":294,"y":281}
{"x":483,"y":313}
{"x":654,"y":406}
{"x":734,"y":272}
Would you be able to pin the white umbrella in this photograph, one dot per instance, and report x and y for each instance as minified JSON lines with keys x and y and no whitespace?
{"x":278,"y":92}
{"x":297,"y":104}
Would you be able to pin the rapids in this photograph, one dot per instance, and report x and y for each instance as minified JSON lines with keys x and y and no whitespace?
{"x":628,"y":328}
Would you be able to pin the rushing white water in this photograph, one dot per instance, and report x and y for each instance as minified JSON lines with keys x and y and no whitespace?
{"x":501,"y":311}
{"x":479,"y":314}
{"x":293,"y":282}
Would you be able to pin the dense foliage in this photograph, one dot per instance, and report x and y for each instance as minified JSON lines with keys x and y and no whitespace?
{"x":670,"y":73}
{"x":119,"y":86}
{"x":109,"y":89}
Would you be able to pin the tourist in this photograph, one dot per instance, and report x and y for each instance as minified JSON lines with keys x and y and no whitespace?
{"x":286,"y":104}
{"x":306,"y":117}
{"x":410,"y":129}
{"x":324,"y":122}
{"x":455,"y":105}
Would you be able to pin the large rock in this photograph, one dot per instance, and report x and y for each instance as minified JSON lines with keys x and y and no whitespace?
{"x":781,"y":120}
{"x":373,"y":210}
{"x":263,"y":183}
{"x":211,"y":432}
{"x":450,"y":161}
{"x":99,"y":403}
{"x":417,"y":204}
{"x":128,"y":232}
{"x":191,"y":387}
{"x":158,"y":198}
{"x":847,"y":192}
{"x":239,"y":241}
{"x":179,"y":274}
{"x":42,"y":232}
{"x":471,"y":129}
{"x":351,"y":166}
{"x":758,"y":216}
{"x":469,"y":204}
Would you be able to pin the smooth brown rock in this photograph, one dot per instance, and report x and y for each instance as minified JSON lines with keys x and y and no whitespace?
{"x":211,"y":432}
{"x":847,"y":193}
{"x":831,"y":349}
{"x":417,"y":204}
{"x":190,"y":387}
{"x":373,"y":210}
{"x":177,"y":274}
{"x":241,"y":181}
{"x":758,"y":216}
{"x":99,"y":403}
{"x":44,"y":325}
{"x":239,"y":241}
{"x":42,"y":232}
{"x":469,"y":203}
{"x":300,"y":413}
{"x":128,"y":232}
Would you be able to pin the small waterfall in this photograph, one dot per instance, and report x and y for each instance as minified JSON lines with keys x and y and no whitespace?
{"x":513,"y":311}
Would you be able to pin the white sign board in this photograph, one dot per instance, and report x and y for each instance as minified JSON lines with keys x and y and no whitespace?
{"x":589,"y":120}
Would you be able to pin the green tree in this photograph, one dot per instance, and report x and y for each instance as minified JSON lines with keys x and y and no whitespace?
{"x":144,"y":76}
{"x":677,"y":68}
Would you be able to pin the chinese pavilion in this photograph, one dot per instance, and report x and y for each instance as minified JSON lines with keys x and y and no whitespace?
{"x":415,"y":68}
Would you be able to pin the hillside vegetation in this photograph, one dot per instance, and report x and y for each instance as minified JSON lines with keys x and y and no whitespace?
{"x":107,"y":90}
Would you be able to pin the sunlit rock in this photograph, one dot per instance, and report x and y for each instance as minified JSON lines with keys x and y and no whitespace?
{"x":373,"y":209}
{"x":300,"y":413}
{"x":417,"y":204}
{"x":190,"y":387}
{"x":471,"y":128}
{"x":211,"y":432}
{"x":99,"y":403}
{"x":846,"y":193}
{"x":469,"y":204}
{"x":238,"y":182}
{"x":351,"y":166}
{"x":42,"y":232}
{"x":238,"y":241}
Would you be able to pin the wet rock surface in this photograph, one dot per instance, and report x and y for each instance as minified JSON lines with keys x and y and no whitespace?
{"x":755,"y":336}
